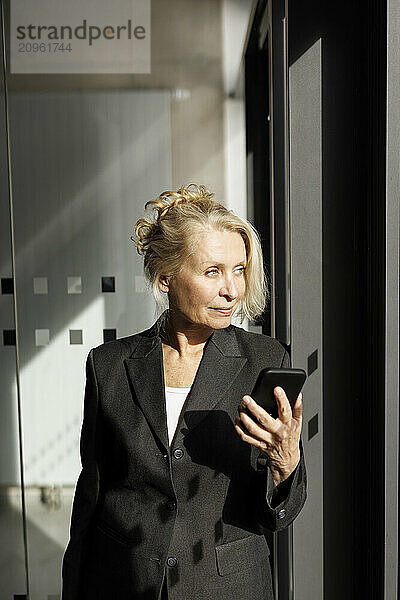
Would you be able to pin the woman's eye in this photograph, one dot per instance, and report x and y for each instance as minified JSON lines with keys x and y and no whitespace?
{"x":212,"y":271}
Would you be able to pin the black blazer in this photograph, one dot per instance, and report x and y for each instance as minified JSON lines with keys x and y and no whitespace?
{"x":195,"y":512}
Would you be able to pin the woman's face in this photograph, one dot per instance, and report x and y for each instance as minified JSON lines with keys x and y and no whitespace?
{"x":211,"y":283}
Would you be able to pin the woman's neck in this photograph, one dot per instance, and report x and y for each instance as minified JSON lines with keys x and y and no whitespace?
{"x":184,"y":337}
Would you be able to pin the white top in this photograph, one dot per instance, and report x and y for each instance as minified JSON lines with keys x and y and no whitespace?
{"x":175,"y":399}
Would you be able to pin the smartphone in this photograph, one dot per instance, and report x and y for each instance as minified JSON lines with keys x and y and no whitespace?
{"x":290,"y":380}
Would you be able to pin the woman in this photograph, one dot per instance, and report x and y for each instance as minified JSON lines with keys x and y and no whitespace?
{"x":178,"y":483}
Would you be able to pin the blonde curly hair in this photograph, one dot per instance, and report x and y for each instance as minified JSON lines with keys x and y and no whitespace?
{"x":172,"y":235}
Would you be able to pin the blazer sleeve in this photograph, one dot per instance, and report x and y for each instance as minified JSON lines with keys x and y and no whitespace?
{"x":86,"y":491}
{"x":278,"y":506}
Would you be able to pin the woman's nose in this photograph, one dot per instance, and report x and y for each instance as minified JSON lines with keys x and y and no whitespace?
{"x":228,"y":288}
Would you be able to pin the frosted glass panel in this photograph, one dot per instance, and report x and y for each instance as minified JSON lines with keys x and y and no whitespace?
{"x":84,"y":164}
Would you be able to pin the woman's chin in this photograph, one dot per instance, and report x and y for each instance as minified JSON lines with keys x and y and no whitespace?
{"x":221,"y":320}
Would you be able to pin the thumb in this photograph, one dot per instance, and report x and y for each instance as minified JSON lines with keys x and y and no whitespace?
{"x":298,"y":408}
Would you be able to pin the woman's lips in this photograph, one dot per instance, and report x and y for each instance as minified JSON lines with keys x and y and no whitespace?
{"x":224,"y":311}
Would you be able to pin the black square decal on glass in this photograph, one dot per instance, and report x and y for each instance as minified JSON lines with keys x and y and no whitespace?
{"x":108,"y":284}
{"x":313,"y":426}
{"x":19,"y":596}
{"x":312,"y":362}
{"x":75,"y":336}
{"x":109,"y":335}
{"x":9,"y":337}
{"x":7,"y":285}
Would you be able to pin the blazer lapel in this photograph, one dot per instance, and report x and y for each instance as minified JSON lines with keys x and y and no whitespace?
{"x":146,"y":373}
{"x":219,"y":367}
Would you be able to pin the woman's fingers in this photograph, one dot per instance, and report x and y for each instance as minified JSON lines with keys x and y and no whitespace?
{"x":278,"y":437}
{"x":298,"y":409}
{"x":260,"y":415}
{"x":284,"y":408}
{"x":247,"y":437}
{"x":253,"y":428}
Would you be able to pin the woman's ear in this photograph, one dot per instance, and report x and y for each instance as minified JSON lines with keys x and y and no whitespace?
{"x":163,"y":283}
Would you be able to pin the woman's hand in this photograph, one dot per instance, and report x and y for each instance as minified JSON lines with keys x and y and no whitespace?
{"x":279,"y":438}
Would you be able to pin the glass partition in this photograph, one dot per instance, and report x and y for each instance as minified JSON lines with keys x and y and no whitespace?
{"x":87,"y":152}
